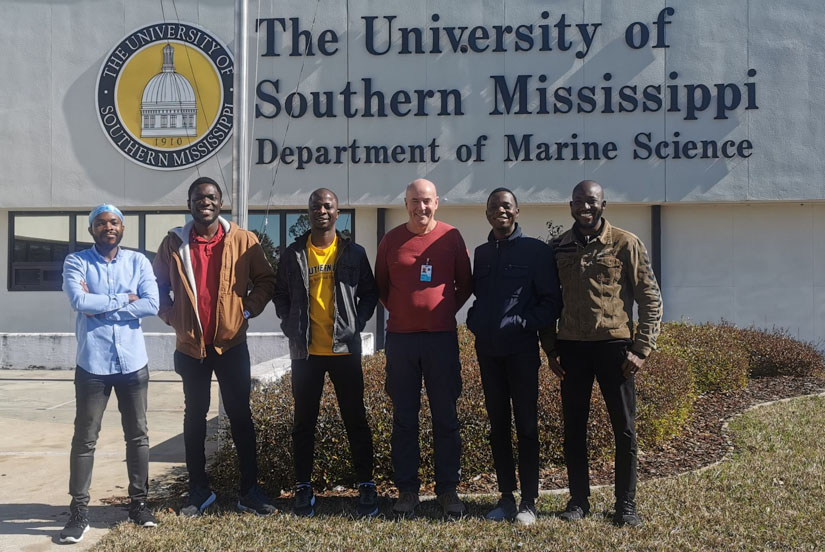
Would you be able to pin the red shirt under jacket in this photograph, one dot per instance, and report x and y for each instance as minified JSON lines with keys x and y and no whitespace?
{"x":206,"y":264}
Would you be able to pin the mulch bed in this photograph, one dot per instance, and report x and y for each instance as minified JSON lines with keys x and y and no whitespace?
{"x":702,"y":442}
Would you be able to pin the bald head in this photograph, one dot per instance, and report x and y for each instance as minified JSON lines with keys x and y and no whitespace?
{"x":587,"y":206}
{"x":588,"y":187}
{"x":420,"y":185}
{"x":323,"y":212}
{"x":320,"y":193}
{"x":421,"y":200}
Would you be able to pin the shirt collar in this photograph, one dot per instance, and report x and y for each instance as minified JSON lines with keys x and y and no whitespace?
{"x":195,"y":238}
{"x":605,"y":234}
{"x":103,"y":259}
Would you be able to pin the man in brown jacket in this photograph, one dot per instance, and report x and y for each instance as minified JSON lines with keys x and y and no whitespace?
{"x":603,"y":271}
{"x":218,"y":277}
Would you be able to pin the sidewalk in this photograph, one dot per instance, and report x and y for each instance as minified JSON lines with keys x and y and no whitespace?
{"x":36,"y":417}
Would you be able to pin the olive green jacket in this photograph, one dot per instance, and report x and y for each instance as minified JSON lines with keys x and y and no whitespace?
{"x":600,"y":283}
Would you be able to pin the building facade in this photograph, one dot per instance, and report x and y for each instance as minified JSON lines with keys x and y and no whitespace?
{"x":701,"y":120}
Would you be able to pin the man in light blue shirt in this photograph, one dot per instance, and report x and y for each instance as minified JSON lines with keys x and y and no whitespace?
{"x":111,"y":289}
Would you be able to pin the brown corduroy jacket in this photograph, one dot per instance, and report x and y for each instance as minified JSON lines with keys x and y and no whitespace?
{"x":246,"y":282}
{"x":600,"y":282}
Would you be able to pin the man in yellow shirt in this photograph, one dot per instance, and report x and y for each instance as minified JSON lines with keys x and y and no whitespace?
{"x":325,"y":294}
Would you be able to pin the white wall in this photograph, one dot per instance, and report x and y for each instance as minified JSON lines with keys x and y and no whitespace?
{"x":748,"y":264}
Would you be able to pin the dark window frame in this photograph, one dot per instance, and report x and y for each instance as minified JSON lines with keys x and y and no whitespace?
{"x":44,"y":266}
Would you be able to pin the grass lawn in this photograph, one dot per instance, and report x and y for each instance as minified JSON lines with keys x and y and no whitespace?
{"x":769,"y":496}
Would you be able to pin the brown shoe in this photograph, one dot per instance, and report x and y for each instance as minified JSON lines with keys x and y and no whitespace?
{"x":451,"y":504}
{"x":406,"y":504}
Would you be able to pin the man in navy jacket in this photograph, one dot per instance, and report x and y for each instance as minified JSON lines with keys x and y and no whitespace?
{"x":517,"y":294}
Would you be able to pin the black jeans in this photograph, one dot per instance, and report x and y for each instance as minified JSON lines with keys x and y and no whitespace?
{"x":232,"y":370}
{"x":433,"y":355}
{"x":582,"y":361}
{"x":307,"y":387}
{"x":91,"y":395}
{"x":513,"y":378}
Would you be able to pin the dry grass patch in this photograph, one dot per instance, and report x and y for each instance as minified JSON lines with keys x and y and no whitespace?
{"x":769,"y":496}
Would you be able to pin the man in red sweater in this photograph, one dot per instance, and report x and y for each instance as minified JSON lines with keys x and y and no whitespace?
{"x":424,"y":277}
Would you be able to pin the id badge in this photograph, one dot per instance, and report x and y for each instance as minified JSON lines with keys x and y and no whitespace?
{"x":426,"y":273}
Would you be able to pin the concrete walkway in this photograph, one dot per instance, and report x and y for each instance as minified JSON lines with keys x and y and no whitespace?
{"x":36,"y":420}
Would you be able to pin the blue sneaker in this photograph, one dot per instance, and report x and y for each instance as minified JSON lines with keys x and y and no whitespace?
{"x":200,"y":498}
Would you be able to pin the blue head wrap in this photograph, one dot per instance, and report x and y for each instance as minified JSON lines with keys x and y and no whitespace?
{"x":106,"y":207}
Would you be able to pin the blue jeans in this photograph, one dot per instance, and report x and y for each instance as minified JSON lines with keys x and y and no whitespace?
{"x":91,"y":395}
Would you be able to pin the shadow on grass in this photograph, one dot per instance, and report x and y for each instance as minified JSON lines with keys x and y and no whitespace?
{"x":342,"y":507}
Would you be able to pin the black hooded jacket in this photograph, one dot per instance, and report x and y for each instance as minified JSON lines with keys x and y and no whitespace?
{"x":356,"y":295}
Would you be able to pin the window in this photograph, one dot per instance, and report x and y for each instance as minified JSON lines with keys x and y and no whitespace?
{"x":40,"y":245}
{"x":41,"y":241}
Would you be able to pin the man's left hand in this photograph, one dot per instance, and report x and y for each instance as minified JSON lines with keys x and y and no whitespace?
{"x":632,"y":364}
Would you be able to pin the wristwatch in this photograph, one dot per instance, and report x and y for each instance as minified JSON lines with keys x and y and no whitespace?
{"x":246,"y":314}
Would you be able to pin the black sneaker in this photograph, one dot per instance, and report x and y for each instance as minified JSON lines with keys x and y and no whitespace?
{"x":200,"y":498}
{"x":304,"y":501}
{"x":76,"y":527}
{"x":576,"y":510}
{"x":367,"y":500}
{"x":140,"y":515}
{"x":255,"y":501}
{"x":626,"y":514}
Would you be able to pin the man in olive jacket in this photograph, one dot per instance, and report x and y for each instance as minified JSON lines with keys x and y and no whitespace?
{"x":325,"y":294}
{"x":218,"y":277}
{"x":603,"y":271}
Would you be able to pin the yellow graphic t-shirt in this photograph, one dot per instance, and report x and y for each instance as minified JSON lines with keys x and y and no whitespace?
{"x":321,"y":296}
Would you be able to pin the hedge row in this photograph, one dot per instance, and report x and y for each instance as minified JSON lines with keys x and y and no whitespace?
{"x":692,"y":359}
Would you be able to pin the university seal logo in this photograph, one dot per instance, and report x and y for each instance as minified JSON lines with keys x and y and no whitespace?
{"x":164,"y":95}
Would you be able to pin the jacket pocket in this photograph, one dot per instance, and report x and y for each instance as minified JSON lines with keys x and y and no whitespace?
{"x":607,"y":270}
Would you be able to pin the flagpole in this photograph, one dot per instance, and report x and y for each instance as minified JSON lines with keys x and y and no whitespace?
{"x":240,"y":137}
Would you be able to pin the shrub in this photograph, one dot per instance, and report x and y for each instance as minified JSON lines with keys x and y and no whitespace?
{"x":665,"y":395}
{"x":712,"y":352}
{"x":776,"y":353}
{"x":664,"y":390}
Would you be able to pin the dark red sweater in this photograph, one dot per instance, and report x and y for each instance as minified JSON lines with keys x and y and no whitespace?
{"x":413,"y":305}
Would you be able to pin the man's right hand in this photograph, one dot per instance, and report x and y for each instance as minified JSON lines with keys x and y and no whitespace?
{"x":554,"y":361}
{"x":133,"y":297}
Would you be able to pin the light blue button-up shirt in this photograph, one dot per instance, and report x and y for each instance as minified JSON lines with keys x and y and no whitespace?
{"x":109,"y":338}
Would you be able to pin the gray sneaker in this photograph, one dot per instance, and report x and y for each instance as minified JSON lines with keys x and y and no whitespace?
{"x":504,"y":510}
{"x":406,"y":504}
{"x":451,"y":504}
{"x":526,"y":514}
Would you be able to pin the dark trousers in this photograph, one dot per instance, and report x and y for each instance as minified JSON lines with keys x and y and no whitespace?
{"x":232,"y":371}
{"x":515,"y":379}
{"x":91,"y":395}
{"x":582,"y":361}
{"x":307,"y":387}
{"x":433,"y":356}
